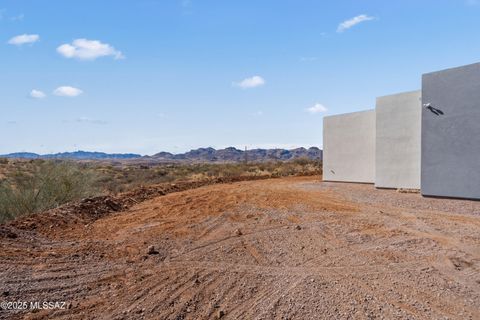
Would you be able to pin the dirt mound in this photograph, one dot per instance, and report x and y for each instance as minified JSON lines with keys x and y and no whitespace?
{"x":91,"y":209}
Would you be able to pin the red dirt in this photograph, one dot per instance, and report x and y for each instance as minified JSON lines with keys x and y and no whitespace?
{"x":291,"y":248}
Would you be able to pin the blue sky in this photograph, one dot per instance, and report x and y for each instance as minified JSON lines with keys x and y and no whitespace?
{"x":170,"y":75}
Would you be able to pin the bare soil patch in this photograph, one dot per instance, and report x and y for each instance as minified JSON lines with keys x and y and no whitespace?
{"x":289,"y":248}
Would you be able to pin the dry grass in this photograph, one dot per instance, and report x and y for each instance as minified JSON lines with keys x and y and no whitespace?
{"x":43,"y":186}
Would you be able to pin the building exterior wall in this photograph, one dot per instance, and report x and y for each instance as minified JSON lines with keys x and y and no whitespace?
{"x":398,"y":141}
{"x":451,"y":133}
{"x":349,"y":147}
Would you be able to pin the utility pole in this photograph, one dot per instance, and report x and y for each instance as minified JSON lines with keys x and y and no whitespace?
{"x":246,"y":155}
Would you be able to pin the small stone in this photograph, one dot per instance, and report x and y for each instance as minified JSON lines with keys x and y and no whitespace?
{"x":151,"y":250}
{"x":220,"y":314}
{"x":238,"y":232}
{"x":297,"y":227}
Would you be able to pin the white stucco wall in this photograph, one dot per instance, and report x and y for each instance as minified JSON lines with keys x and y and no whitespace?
{"x":398,"y":141}
{"x":451,"y":133}
{"x":349,"y":147}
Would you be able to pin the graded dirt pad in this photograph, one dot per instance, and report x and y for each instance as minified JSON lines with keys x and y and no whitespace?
{"x":292,"y":248}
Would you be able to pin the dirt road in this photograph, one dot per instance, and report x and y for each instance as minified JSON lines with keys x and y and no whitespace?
{"x":292,"y":248}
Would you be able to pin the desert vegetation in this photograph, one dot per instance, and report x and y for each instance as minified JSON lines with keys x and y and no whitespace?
{"x":42,"y":185}
{"x":29,"y":186}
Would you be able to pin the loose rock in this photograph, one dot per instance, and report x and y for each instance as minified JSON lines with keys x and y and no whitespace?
{"x":151,"y":250}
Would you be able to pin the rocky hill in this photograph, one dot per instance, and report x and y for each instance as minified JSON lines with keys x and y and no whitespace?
{"x":232,"y":154}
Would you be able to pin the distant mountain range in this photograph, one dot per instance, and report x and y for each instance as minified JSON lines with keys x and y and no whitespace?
{"x":77,"y":155}
{"x":198,"y":155}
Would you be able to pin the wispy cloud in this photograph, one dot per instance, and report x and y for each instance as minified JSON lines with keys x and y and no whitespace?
{"x":347,"y":24}
{"x":86,"y":120}
{"x":187,"y":6}
{"x":37,"y":94}
{"x":308,"y":59}
{"x":317,"y":108}
{"x":252,"y":82}
{"x":84,"y":49}
{"x":91,"y":121}
{"x":24,"y":39}
{"x":257,"y":113}
{"x":5,"y":16}
{"x":19,"y":17}
{"x":186,"y":3}
{"x":67,"y":91}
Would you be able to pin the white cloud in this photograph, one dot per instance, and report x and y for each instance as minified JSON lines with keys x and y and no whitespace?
{"x":23,"y":39}
{"x":317,"y":108}
{"x":67,"y":91}
{"x":345,"y":25}
{"x":37,"y":94}
{"x":253,"y":82}
{"x":84,"y":49}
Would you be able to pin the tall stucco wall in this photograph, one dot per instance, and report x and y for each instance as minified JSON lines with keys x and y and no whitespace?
{"x":398,"y":141}
{"x":451,"y":133}
{"x":349,"y":147}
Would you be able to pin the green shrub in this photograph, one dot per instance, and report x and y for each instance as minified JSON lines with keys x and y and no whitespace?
{"x":48,"y":186}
